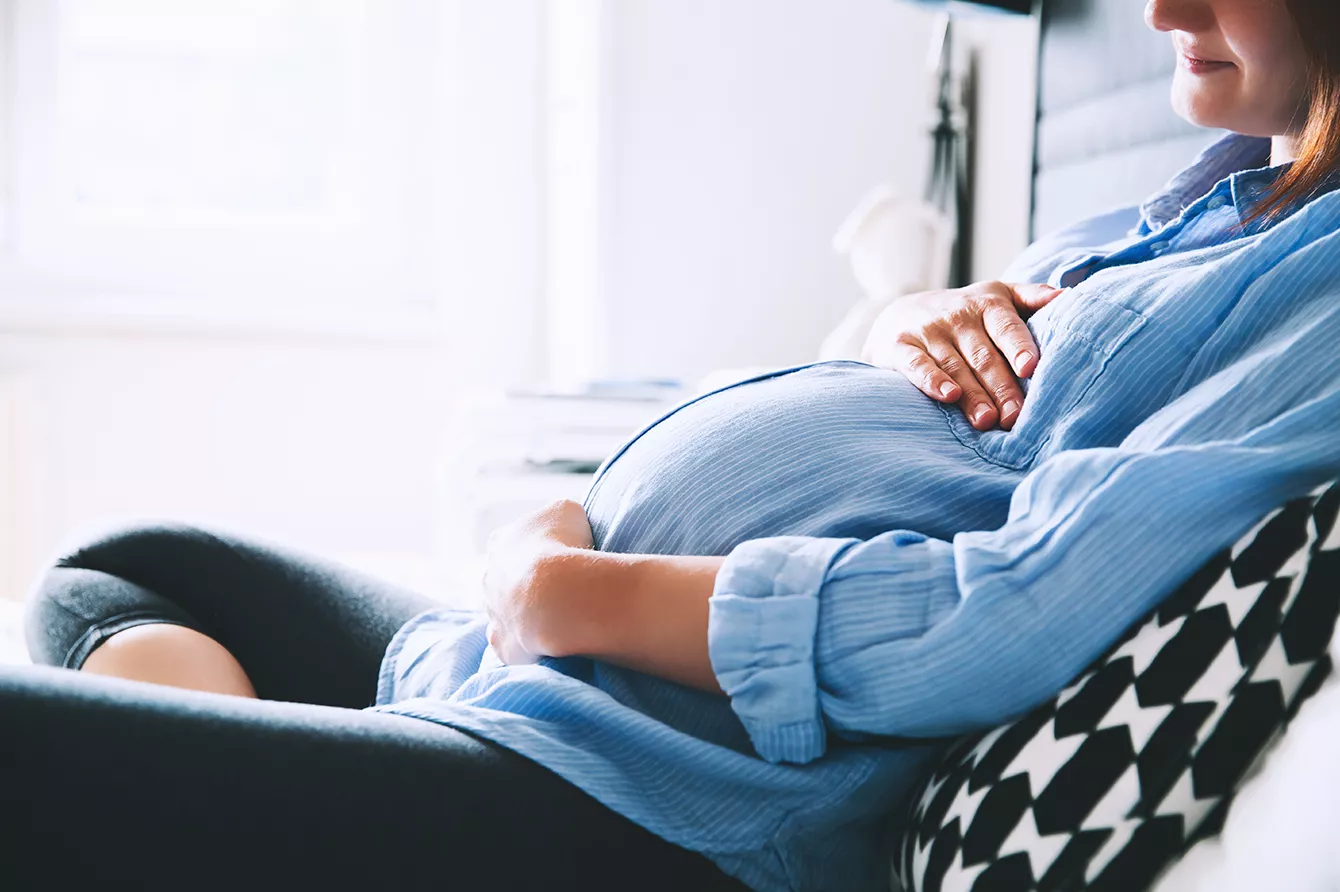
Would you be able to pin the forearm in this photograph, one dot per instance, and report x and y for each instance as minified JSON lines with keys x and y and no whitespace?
{"x":643,"y":612}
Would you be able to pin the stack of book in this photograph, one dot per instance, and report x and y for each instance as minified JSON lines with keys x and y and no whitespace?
{"x":511,"y":453}
{"x":573,"y":431}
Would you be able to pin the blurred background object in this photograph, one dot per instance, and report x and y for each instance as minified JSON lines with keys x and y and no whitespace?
{"x":899,"y":244}
{"x":267,"y":264}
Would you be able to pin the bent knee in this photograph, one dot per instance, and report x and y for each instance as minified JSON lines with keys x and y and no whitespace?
{"x":105,"y":585}
{"x":155,"y":540}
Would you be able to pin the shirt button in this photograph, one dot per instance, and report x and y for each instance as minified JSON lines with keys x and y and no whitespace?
{"x":1216,"y":203}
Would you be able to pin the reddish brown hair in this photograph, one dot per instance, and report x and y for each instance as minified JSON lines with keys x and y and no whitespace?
{"x":1319,"y":146}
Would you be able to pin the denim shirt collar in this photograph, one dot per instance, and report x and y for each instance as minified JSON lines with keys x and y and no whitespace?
{"x":1246,"y":159}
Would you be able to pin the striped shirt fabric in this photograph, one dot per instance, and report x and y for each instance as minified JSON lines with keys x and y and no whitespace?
{"x":895,"y":577}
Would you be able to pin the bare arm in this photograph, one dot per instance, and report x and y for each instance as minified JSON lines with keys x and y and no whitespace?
{"x":643,"y":612}
{"x":548,"y":593}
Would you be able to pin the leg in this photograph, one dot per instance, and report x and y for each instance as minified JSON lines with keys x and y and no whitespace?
{"x":117,"y":783}
{"x":166,"y":653}
{"x":303,"y":629}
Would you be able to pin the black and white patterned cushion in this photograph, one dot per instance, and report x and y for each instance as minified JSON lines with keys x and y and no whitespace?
{"x":1108,"y":783}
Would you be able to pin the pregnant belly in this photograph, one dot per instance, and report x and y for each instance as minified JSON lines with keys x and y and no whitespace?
{"x":837,"y":449}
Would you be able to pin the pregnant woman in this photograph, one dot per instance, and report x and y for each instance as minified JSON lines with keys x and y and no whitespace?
{"x":726,"y":668}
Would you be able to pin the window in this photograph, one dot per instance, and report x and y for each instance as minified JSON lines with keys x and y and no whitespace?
{"x":578,"y":156}
{"x":6,"y":126}
{"x":212,"y":111}
{"x":251,"y":152}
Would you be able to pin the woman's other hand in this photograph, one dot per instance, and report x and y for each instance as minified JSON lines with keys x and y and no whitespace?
{"x":520,"y":593}
{"x":966,"y":345}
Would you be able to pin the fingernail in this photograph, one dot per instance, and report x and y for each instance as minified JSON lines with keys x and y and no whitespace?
{"x":979,"y":414}
{"x":946,"y":389}
{"x":1009,"y":409}
{"x":1022,"y":359}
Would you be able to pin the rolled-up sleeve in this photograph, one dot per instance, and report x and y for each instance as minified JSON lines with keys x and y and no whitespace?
{"x":910,"y":636}
{"x":764,"y":622}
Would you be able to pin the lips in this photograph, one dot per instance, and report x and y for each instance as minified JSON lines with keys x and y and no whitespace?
{"x":1197,"y":64}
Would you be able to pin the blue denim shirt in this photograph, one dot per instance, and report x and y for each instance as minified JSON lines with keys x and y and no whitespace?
{"x":893,"y":575}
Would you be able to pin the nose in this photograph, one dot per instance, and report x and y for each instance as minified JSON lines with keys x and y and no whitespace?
{"x":1179,"y":15}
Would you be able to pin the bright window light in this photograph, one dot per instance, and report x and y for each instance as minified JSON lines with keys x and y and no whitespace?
{"x":206,"y":111}
{"x":575,"y":117}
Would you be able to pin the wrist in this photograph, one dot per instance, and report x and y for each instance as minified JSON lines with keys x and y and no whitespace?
{"x":578,"y":586}
{"x":643,"y":612}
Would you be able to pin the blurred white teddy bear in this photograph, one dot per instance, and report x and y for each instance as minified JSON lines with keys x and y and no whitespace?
{"x":896,"y":246}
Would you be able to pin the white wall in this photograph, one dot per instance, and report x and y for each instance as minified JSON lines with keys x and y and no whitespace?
{"x":323,"y":445}
{"x":1006,"y":50}
{"x":322,"y":430}
{"x":489,"y":144}
{"x":743,"y":133}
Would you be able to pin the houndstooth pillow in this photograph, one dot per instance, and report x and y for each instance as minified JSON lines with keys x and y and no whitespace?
{"x":1139,"y":757}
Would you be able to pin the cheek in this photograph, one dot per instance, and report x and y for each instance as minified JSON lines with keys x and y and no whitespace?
{"x":1275,"y":71}
{"x":1279,"y":92}
{"x":1258,"y":99}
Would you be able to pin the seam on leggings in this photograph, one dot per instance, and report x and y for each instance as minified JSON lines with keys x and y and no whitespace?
{"x":104,"y":629}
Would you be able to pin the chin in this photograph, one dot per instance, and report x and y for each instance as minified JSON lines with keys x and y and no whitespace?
{"x":1201,"y":106}
{"x":1222,"y":105}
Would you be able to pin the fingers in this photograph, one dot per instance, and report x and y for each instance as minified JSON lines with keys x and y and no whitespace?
{"x":1028,"y":299}
{"x":967,"y":345}
{"x":506,"y":647}
{"x":993,"y":372}
{"x":975,"y":402}
{"x":924,"y":372}
{"x":1012,"y":338}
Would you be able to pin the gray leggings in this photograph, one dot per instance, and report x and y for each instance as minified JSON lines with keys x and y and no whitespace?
{"x":108,"y":780}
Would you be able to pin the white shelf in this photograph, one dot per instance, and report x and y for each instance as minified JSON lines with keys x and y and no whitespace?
{"x":487,"y":483}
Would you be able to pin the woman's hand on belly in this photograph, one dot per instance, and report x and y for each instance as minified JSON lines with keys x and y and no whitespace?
{"x":549,"y":594}
{"x":522,"y":607}
{"x":953,"y":345}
